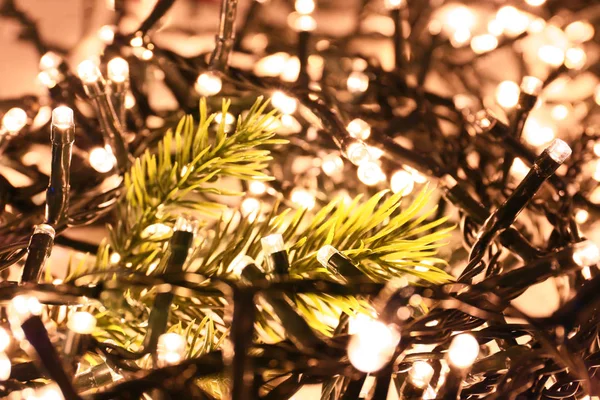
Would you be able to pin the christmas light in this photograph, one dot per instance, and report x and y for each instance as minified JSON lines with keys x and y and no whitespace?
{"x":88,"y":72}
{"x":137,"y":41}
{"x":586,"y":254}
{"x":372,"y":346}
{"x":370,"y":173}
{"x":358,"y":82}
{"x":171,"y":349}
{"x":304,"y":6}
{"x":393,"y":4}
{"x":62,"y":117}
{"x":118,"y":70}
{"x":507,"y":94}
{"x":332,"y":164}
{"x":272,"y":243}
{"x":463,"y":351}
{"x":50,"y":60}
{"x":402,"y":182}
{"x":82,"y":322}
{"x":14,"y":120}
{"x":302,"y":23}
{"x":208,"y":84}
{"x":102,"y":160}
{"x":239,"y":263}
{"x":257,"y":187}
{"x":460,"y":17}
{"x":283,"y":102}
{"x":513,"y":20}
{"x":303,"y":198}
{"x":22,"y":307}
{"x":5,"y":367}
{"x":4,"y":339}
{"x":249,"y":207}
{"x":535,"y":3}
{"x":358,"y":128}
{"x":560,"y":112}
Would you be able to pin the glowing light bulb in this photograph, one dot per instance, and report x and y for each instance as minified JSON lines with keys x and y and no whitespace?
{"x":359,"y":129}
{"x":332,"y":164}
{"x":586,"y":253}
{"x":559,"y":150}
{"x":14,"y":120}
{"x":284,"y":103}
{"x":171,"y":348}
{"x":302,"y":23}
{"x":137,"y":41}
{"x":560,"y":112}
{"x":22,"y":307}
{"x":402,"y":182}
{"x":519,"y":169}
{"x":118,"y":70}
{"x":88,"y":71}
{"x":239,"y":263}
{"x":107,"y":34}
{"x":48,"y":78}
{"x":304,"y":6}
{"x":393,"y":4}
{"x":303,"y":198}
{"x":484,"y":43}
{"x":575,"y":58}
{"x":495,"y":27}
{"x":537,"y":134}
{"x":147,"y":54}
{"x":507,"y":94}
{"x":50,"y":60}
{"x":537,"y":25}
{"x":581,"y":216}
{"x":229,"y":118}
{"x":249,"y":207}
{"x":551,"y":55}
{"x":62,"y":117}
{"x":513,"y":20}
{"x":82,"y":322}
{"x":208,"y":84}
{"x":580,"y":31}
{"x":420,"y":374}
{"x":257,"y":187}
{"x":272,"y":65}
{"x":370,"y":173}
{"x":4,"y":339}
{"x":5,"y":367}
{"x":115,"y":258}
{"x":463,"y":351}
{"x":358,"y":82}
{"x":460,"y":17}
{"x":48,"y":392}
{"x":357,"y":153}
{"x":535,"y":3}
{"x":129,"y":101}
{"x":102,"y":160}
{"x":272,"y":243}
{"x":372,"y":346}
{"x":597,"y":94}
{"x":531,"y":85}
{"x":460,"y":37}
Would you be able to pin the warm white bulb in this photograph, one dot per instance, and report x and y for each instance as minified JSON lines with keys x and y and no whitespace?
{"x":332,"y":164}
{"x":62,"y":117}
{"x":358,"y":82}
{"x":147,"y":54}
{"x":460,"y":37}
{"x":14,"y":120}
{"x":102,"y":160}
{"x":137,"y":41}
{"x":357,"y":153}
{"x":420,"y":374}
{"x":208,"y":84}
{"x":272,"y":243}
{"x":580,"y":31}
{"x":82,"y":322}
{"x":325,"y":253}
{"x":560,"y":112}
{"x":4,"y":339}
{"x":463,"y":351}
{"x":129,"y":101}
{"x":535,"y":3}
{"x":303,"y":198}
{"x":402,"y":182}
{"x":459,"y":17}
{"x":107,"y":34}
{"x":514,"y":22}
{"x":23,"y":307}
{"x":507,"y":94}
{"x":575,"y":58}
{"x":229,"y":118}
{"x":370,"y":173}
{"x":372,"y":346}
{"x":5,"y":367}
{"x":283,"y":102}
{"x":50,"y":60}
{"x":304,"y":6}
{"x":531,"y":85}
{"x":581,"y":216}
{"x":88,"y":71}
{"x":495,"y":27}
{"x":171,"y":348}
{"x":359,"y":129}
{"x":257,"y":187}
{"x":484,"y":43}
{"x":393,"y":4}
{"x":559,"y":150}
{"x":586,"y":253}
{"x":48,"y":392}
{"x":551,"y":55}
{"x":249,"y":207}
{"x":303,"y":23}
{"x":118,"y":70}
{"x":48,"y":77}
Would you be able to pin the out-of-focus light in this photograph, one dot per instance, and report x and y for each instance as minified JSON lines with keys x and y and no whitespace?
{"x":118,"y":70}
{"x":535,"y":3}
{"x":156,"y":230}
{"x":586,"y":253}
{"x":536,"y":133}
{"x":559,"y":150}
{"x":372,"y":346}
{"x":580,"y":31}
{"x":271,"y":65}
{"x":420,"y":373}
{"x":88,"y":71}
{"x":137,"y":41}
{"x":303,"y":198}
{"x":460,"y":37}
{"x":22,"y":307}
{"x":537,"y":25}
{"x":416,"y":175}
{"x":4,"y":339}
{"x":171,"y":348}
{"x":239,"y":263}
{"x":560,"y":112}
{"x":257,"y":187}
{"x":114,"y":258}
{"x":393,"y":4}
{"x":129,"y":100}
{"x":82,"y":322}
{"x":495,"y":27}
{"x":48,"y":78}
{"x":147,"y":54}
{"x":249,"y":207}
{"x":370,"y":173}
{"x":358,"y":128}
{"x":14,"y":120}
{"x":358,"y":82}
{"x":484,"y":43}
{"x":283,"y":102}
{"x":304,"y":6}
{"x":402,"y":182}
{"x":229,"y":118}
{"x":301,"y":22}
{"x":597,"y":94}
{"x":332,"y":164}
{"x":551,"y":55}
{"x":581,"y":216}
{"x":531,"y":85}
{"x":5,"y":367}
{"x":273,"y":243}
{"x":459,"y":17}
{"x":519,"y":169}
{"x":463,"y":351}
{"x":575,"y":58}
{"x":507,"y":94}
{"x":357,"y":153}
{"x":102,"y":160}
{"x":62,"y":117}
{"x":107,"y":34}
{"x":291,"y":70}
{"x":50,"y":60}
{"x":375,"y":153}
{"x":596,"y":175}
{"x":513,"y":20}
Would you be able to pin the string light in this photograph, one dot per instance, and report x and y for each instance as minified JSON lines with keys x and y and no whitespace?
{"x":575,"y":58}
{"x":107,"y":34}
{"x":4,"y":339}
{"x":586,"y":253}
{"x":129,"y":101}
{"x":580,"y":31}
{"x":118,"y":70}
{"x":372,"y":346}
{"x":460,"y":17}
{"x":420,"y":373}
{"x":370,"y":173}
{"x":581,"y":216}
{"x":463,"y":351}
{"x":249,"y":207}
{"x":357,"y":153}
{"x":484,"y":43}
{"x":393,"y":4}
{"x":332,"y":164}
{"x":514,"y":22}
{"x":137,"y":41}
{"x":283,"y":102}
{"x":304,"y":6}
{"x":303,"y":198}
{"x":257,"y":187}
{"x":460,"y":37}
{"x":507,"y":94}
{"x":537,"y":134}
{"x":229,"y":118}
{"x":239,"y":263}
{"x":22,"y":307}
{"x":88,"y":72}
{"x":62,"y":117}
{"x":14,"y":120}
{"x":208,"y":84}
{"x":48,"y":78}
{"x":171,"y":348}
{"x":358,"y":82}
{"x":495,"y":27}
{"x":147,"y":54}
{"x":102,"y":159}
{"x":402,"y":182}
{"x":50,"y":60}
{"x":302,"y":23}
{"x":535,"y":3}
{"x":82,"y":322}
{"x":359,"y":129}
{"x":5,"y":367}
{"x":551,"y":55}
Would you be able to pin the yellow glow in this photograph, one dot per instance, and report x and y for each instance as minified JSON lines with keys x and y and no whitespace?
{"x":115,"y":258}
{"x":560,"y":112}
{"x":171,"y":348}
{"x":358,"y":82}
{"x":402,"y":182}
{"x":107,"y":34}
{"x":551,"y":55}
{"x":147,"y":54}
{"x":460,"y":17}
{"x":303,"y":198}
{"x":82,"y":322}
{"x":484,"y":43}
{"x":575,"y":58}
{"x":507,"y":94}
{"x":463,"y":350}
{"x":249,"y":207}
{"x":62,"y":117}
{"x":597,"y":94}
{"x":357,"y":128}
{"x":88,"y":71}
{"x":102,"y":160}
{"x":304,"y":6}
{"x":579,"y":31}
{"x":14,"y":120}
{"x":283,"y":102}
{"x":370,"y":173}
{"x":513,"y":20}
{"x":118,"y":70}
